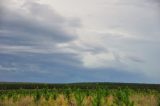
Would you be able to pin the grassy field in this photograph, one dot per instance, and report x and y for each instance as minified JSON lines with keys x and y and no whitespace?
{"x":79,"y":94}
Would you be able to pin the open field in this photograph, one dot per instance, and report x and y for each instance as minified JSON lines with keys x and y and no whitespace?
{"x":80,"y":94}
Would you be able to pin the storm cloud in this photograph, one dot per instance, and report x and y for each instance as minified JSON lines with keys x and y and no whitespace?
{"x":76,"y":41}
{"x":33,"y":26}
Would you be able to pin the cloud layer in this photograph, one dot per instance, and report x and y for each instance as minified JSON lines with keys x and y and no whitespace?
{"x":66,"y":41}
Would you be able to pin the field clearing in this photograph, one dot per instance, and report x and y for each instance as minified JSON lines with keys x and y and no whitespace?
{"x":79,"y":95}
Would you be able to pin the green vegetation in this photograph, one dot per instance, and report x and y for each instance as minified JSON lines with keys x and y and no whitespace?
{"x":78,"y":95}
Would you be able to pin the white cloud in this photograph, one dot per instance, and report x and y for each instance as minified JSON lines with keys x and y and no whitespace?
{"x":118,"y":34}
{"x":98,"y":60}
{"x":127,"y":30}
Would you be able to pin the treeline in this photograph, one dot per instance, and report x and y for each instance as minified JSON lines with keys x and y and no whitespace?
{"x":15,"y":85}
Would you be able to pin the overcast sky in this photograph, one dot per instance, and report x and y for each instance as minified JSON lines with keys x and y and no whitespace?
{"x":61,"y":41}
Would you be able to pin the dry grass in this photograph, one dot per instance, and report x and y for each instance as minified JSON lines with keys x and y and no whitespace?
{"x":88,"y":101}
{"x":145,"y":100}
{"x":61,"y":100}
{"x":108,"y":101}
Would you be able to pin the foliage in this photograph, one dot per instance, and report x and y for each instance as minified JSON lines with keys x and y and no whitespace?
{"x":99,"y":95}
{"x":122,"y":98}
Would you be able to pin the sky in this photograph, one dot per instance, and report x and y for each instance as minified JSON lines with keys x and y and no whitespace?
{"x":64,"y":41}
